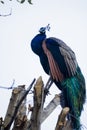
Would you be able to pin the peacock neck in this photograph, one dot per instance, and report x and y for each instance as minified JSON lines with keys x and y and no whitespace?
{"x":36,"y":43}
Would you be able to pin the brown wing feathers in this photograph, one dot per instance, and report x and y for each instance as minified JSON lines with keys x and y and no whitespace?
{"x":54,"y":69}
{"x":70,"y":60}
{"x":69,"y":56}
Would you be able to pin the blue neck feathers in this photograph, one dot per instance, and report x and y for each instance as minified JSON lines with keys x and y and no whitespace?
{"x":36,"y":43}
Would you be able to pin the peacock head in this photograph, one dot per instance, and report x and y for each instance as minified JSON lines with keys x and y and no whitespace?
{"x":43,"y":29}
{"x":36,"y":43}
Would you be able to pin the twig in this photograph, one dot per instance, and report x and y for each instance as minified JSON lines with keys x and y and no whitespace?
{"x":11,"y":87}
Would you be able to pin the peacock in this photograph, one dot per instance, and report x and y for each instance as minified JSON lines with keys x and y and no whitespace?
{"x":59,"y":62}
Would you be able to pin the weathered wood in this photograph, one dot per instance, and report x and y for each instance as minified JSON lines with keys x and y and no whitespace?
{"x":67,"y":126}
{"x":50,"y":107}
{"x":38,"y":105}
{"x":61,"y":119}
{"x":20,"y":122}
{"x":21,"y":118}
{"x":17,"y":109}
{"x":12,"y":104}
{"x":1,"y":124}
{"x":46,"y":111}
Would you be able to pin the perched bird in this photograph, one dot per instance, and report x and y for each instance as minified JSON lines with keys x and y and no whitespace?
{"x":59,"y":61}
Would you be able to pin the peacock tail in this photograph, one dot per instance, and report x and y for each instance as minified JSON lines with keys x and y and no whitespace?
{"x":74,"y":95}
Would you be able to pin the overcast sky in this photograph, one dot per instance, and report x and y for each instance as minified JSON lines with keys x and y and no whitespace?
{"x":68,"y":21}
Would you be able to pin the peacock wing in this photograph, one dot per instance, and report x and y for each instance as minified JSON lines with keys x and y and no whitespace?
{"x":62,"y":60}
{"x":69,"y":57}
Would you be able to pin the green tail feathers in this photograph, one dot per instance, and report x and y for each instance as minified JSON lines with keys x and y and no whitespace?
{"x":74,"y":93}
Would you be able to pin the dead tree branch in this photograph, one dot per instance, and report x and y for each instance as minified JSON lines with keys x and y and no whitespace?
{"x":62,"y":124}
{"x":15,"y":109}
{"x":11,"y":87}
{"x":50,"y":107}
{"x":38,"y":105}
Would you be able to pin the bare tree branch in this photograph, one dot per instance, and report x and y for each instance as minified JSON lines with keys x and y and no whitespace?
{"x":5,"y":15}
{"x":11,"y":87}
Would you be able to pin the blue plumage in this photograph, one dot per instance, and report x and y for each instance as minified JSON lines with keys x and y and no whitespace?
{"x":35,"y":45}
{"x":59,"y":61}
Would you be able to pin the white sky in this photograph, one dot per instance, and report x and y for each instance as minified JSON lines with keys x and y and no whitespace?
{"x":68,"y":21}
